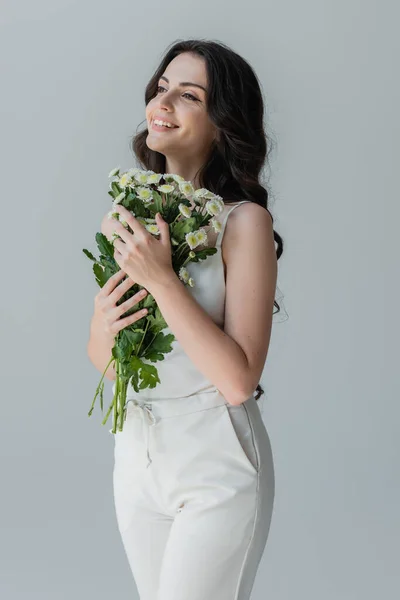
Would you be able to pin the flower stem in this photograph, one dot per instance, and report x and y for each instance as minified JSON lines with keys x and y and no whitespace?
{"x":98,"y":387}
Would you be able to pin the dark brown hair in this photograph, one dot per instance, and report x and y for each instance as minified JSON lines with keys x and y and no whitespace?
{"x":235,"y":106}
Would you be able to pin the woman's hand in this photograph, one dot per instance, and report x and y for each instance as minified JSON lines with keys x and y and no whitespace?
{"x":106,"y":310}
{"x":145,"y":259}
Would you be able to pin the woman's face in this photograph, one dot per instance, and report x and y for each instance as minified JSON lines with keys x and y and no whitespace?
{"x":186,"y":107}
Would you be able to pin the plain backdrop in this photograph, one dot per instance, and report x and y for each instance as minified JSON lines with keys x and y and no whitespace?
{"x":73,"y":75}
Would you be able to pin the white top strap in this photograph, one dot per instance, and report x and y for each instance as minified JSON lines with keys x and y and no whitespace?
{"x":221,"y":233}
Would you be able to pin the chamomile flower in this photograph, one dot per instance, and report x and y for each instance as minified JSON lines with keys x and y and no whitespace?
{"x":213,"y":207}
{"x":201,"y":235}
{"x":184,"y":274}
{"x":191,"y":282}
{"x":113,"y":172}
{"x":152,"y":228}
{"x":191,"y":239}
{"x":144,"y":193}
{"x":201,"y":193}
{"x":153,"y":178}
{"x":124,"y":180}
{"x":173,"y":177}
{"x":166,"y":188}
{"x":195,"y":238}
{"x":186,"y":188}
{"x":132,"y":172}
{"x":141,"y":176}
{"x":185,"y":210}
{"x":216,"y":225}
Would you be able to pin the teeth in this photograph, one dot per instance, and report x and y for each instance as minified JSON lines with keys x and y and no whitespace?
{"x":158,"y":122}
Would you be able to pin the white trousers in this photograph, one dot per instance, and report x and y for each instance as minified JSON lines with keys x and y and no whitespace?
{"x":194,"y":488}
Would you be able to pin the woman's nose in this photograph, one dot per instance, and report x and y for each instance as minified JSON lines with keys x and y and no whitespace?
{"x":165,"y":99}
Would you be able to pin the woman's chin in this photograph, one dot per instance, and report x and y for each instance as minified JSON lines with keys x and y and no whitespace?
{"x":157,"y":144}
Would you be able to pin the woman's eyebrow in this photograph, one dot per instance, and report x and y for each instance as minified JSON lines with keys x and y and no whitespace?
{"x":184,"y":83}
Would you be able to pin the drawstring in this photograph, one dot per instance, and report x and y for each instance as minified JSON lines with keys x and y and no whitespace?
{"x":148,"y":419}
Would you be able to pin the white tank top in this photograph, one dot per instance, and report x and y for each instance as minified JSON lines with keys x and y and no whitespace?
{"x":179,"y":376}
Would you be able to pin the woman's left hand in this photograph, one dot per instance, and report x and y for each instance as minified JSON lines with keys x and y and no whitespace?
{"x":145,"y":259}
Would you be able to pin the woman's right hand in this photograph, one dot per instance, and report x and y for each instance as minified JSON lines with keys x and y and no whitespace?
{"x":106,"y":311}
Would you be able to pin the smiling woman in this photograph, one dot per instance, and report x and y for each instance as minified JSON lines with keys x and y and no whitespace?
{"x":201,"y":432}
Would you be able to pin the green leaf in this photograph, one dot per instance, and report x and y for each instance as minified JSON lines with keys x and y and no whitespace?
{"x":89,"y":255}
{"x":149,"y":375}
{"x":105,"y":246}
{"x":181,"y":228}
{"x":100,"y":275}
{"x":202,"y":254}
{"x":162,"y":344}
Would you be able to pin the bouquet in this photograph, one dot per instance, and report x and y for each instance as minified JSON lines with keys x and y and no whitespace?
{"x":143,"y":194}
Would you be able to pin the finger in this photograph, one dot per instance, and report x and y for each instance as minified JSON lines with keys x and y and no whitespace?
{"x":112,"y":282}
{"x":122,"y":232}
{"x":133,"y":223}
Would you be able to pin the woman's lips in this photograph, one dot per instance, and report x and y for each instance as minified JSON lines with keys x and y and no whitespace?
{"x":162,"y":127}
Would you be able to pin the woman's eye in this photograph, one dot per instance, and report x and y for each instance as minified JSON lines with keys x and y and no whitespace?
{"x":160,"y":87}
{"x":192,"y":97}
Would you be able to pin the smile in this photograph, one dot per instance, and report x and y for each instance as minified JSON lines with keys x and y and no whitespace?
{"x":162,"y":127}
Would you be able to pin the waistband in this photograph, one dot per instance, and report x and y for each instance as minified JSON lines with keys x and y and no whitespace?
{"x":150,"y":411}
{"x":173,"y":407}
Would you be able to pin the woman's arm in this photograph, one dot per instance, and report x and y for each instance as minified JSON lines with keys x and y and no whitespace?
{"x":232,"y":359}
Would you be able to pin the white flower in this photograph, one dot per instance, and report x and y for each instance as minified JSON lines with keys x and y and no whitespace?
{"x":152,"y":228}
{"x":166,"y":189}
{"x":185,"y":210}
{"x":144,"y":193}
{"x":112,"y":214}
{"x":174,"y":177}
{"x":124,"y":180}
{"x":201,"y":236}
{"x":201,"y":193}
{"x":114,"y":171}
{"x":153,"y":178}
{"x":184,"y":274}
{"x":115,"y":178}
{"x":119,"y":198}
{"x":141,"y":176}
{"x":186,"y":188}
{"x":195,"y":238}
{"x":132,"y":172}
{"x":216,"y":224}
{"x":191,"y":282}
{"x":214,"y":207}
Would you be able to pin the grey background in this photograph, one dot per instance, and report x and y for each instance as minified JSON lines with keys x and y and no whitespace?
{"x":73,"y":77}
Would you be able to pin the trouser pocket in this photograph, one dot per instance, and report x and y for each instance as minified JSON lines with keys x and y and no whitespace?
{"x":243,"y":433}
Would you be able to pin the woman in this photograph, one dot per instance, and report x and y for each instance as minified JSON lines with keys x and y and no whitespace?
{"x":193,"y":475}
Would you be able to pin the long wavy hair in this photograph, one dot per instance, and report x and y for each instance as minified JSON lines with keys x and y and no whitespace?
{"x":235,"y":106}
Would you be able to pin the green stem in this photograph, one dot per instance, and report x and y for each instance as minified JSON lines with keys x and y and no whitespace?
{"x":98,"y":387}
{"x":141,"y":341}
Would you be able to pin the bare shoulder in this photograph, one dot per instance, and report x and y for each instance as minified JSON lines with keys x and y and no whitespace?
{"x":248,"y":219}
